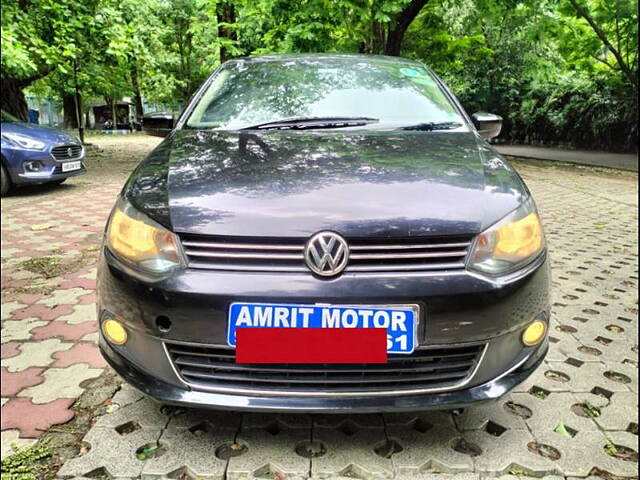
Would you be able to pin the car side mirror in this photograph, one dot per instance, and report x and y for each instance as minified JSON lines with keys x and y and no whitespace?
{"x":157,"y":124}
{"x":487,"y":124}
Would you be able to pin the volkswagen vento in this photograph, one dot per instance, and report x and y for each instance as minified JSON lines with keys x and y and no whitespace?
{"x":324,"y":193}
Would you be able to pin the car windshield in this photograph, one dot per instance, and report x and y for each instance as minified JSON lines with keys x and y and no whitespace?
{"x":392,"y":93}
{"x":7,"y":117}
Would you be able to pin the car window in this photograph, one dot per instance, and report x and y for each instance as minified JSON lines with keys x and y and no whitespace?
{"x":245,"y":93}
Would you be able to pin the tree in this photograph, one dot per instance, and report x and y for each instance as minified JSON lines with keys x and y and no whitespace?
{"x":38,"y":36}
{"x":619,"y":15}
{"x":400,"y":25}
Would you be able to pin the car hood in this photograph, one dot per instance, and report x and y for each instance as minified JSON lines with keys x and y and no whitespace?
{"x":357,"y":183}
{"x":49,"y":135}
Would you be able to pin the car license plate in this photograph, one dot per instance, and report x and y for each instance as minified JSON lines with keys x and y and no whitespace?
{"x":399,"y":320}
{"x":71,"y":166}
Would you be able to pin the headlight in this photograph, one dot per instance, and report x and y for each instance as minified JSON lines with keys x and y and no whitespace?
{"x":509,"y":244}
{"x":24,"y":141}
{"x":141,"y":242}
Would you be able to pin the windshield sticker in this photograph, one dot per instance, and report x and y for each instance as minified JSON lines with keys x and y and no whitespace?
{"x":410,"y":72}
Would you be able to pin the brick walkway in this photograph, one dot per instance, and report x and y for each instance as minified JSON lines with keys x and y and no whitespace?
{"x":588,"y":385}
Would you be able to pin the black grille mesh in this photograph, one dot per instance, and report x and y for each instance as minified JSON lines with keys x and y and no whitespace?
{"x":210,"y":367}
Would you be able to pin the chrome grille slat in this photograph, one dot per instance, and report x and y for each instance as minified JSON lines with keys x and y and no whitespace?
{"x":256,"y":254}
{"x":381,"y":256}
{"x":244,"y":268}
{"x":243,"y":246}
{"x":61,"y":152}
{"x":408,"y":247}
{"x":405,"y":268}
{"x":209,"y":367}
{"x":266,"y":256}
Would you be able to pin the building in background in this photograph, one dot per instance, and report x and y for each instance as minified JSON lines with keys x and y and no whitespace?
{"x":44,"y":111}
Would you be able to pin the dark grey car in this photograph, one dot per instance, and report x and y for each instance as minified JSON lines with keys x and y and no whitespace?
{"x":317,"y":191}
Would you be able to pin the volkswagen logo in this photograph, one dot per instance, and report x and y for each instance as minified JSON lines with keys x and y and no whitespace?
{"x":326,"y":254}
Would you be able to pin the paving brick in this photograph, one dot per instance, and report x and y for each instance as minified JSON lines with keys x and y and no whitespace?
{"x":35,"y":354}
{"x":477,"y":418}
{"x":508,"y":453}
{"x":20,"y":329}
{"x":351,"y":455}
{"x":582,"y":453}
{"x":191,"y":452}
{"x":127,"y":395}
{"x":33,"y":419}
{"x":67,"y":296}
{"x":12,"y":383}
{"x":144,"y":412}
{"x":621,"y":411}
{"x":64,"y":331}
{"x":114,"y":453}
{"x":427,"y":451}
{"x":10,"y":349}
{"x":80,"y":314}
{"x":83,"y":352}
{"x":549,"y":413}
{"x":270,"y":455}
{"x":61,"y":383}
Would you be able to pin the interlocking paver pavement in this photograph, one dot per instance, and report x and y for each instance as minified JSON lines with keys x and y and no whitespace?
{"x":586,"y":389}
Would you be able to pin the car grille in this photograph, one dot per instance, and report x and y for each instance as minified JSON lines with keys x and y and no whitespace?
{"x":66,"y":152}
{"x":286,"y":255}
{"x":210,"y":368}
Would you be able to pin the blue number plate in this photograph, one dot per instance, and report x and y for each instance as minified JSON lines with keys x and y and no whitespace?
{"x":399,"y":320}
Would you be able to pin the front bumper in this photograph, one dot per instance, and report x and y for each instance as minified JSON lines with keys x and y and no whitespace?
{"x":51,"y":170}
{"x":47,"y":176}
{"x":172,"y":395}
{"x":456,"y":309}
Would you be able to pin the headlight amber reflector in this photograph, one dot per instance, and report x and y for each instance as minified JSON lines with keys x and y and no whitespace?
{"x":511,"y":243}
{"x":138,"y":240}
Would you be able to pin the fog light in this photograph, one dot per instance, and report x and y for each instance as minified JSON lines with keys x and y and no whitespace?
{"x":534,"y":333}
{"x":114,"y":331}
{"x":33,"y":166}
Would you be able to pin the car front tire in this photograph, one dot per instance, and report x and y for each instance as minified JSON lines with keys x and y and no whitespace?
{"x":5,"y":181}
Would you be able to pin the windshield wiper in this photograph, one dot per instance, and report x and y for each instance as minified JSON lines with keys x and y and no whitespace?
{"x":432,"y":126}
{"x":301,"y":123}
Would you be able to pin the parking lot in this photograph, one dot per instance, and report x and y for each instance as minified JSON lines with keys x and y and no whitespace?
{"x":576,"y":417}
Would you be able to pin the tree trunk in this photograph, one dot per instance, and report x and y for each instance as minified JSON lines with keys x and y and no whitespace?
{"x":399,"y":27}
{"x":137,"y":96}
{"x":13,"y":99}
{"x":70,"y":113}
{"x":78,"y":103}
{"x":114,"y":115}
{"x":226,"y":14}
{"x":377,"y":43}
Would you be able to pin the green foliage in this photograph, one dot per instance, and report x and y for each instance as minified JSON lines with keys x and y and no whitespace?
{"x":39,"y":37}
{"x":558,"y":71}
{"x":538,"y":65}
{"x":26,"y":464}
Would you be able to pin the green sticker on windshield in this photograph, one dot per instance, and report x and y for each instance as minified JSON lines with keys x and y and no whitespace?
{"x":410,"y":72}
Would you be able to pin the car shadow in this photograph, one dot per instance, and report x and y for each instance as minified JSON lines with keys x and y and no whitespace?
{"x":41,"y":189}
